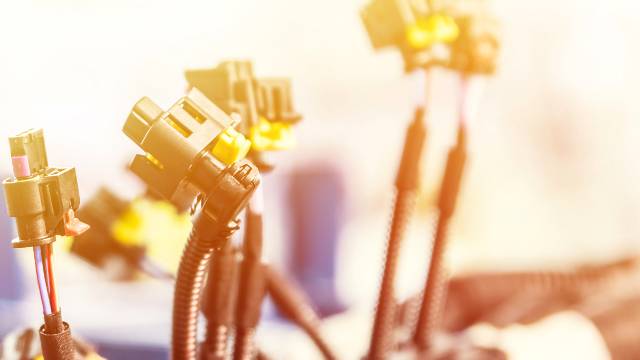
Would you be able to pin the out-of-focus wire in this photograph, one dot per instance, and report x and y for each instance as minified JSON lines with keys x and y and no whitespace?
{"x":48,"y":249}
{"x":424,"y":92}
{"x":464,"y":99}
{"x":471,"y":89}
{"x":46,"y":270}
{"x":153,"y":269}
{"x":42,"y":284}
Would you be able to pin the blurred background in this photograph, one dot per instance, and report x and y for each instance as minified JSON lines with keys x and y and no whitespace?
{"x":552,"y":177}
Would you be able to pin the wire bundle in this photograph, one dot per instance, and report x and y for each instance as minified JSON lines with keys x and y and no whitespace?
{"x":44,"y":275}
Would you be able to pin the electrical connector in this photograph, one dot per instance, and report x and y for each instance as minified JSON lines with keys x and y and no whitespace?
{"x":411,"y":26}
{"x":121,"y":234}
{"x":230,"y":85}
{"x":264,"y":105}
{"x":386,"y":21}
{"x":476,"y":49}
{"x":101,"y":211}
{"x":266,"y":110}
{"x":451,"y":35}
{"x":193,"y":152}
{"x":186,"y":147}
{"x":41,"y":198}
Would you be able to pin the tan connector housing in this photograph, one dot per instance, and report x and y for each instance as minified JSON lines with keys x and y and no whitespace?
{"x":38,"y":196}
{"x":457,"y":35}
{"x":192,"y":138}
{"x":233,"y":86}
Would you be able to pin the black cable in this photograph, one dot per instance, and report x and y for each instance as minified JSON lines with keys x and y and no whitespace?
{"x":293,"y":303}
{"x":55,"y":339}
{"x":252,"y":288}
{"x":406,"y":187}
{"x":206,"y":235}
{"x":219,"y":301}
{"x":433,"y":301}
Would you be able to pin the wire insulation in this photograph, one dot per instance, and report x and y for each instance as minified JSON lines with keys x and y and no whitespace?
{"x":428,"y":92}
{"x":46,"y":269}
{"x":42,"y":284}
{"x":51,"y":282}
{"x":205,"y":236}
{"x":463,"y":115}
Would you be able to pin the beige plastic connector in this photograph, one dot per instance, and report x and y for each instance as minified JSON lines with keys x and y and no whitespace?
{"x":233,"y":86}
{"x":43,"y":199}
{"x":477,"y":48}
{"x":458,"y":35}
{"x":191,"y":130}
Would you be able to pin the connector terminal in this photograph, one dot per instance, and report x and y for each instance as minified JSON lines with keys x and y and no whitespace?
{"x":42,"y":199}
{"x":191,"y":149}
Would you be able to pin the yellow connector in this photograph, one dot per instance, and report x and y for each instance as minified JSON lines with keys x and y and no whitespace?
{"x":437,"y":28}
{"x":154,"y":225}
{"x":230,"y":146}
{"x":267,"y":135}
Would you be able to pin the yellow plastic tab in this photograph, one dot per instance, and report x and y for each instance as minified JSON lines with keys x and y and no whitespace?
{"x":436,"y":28}
{"x":230,"y":146}
{"x":267,"y":135}
{"x":64,"y":243}
{"x":154,"y":225}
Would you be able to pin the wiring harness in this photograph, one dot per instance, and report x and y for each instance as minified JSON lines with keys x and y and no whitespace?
{"x":193,"y":154}
{"x":43,"y":200}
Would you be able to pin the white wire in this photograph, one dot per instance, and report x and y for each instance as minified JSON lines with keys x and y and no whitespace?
{"x":423,"y":84}
{"x":471,"y":89}
{"x":42,"y":284}
{"x":463,"y":105}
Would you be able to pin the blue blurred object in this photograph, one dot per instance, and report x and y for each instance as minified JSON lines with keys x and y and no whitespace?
{"x":12,"y":289}
{"x":316,"y":199}
{"x":11,"y":286}
{"x":131,"y":352}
